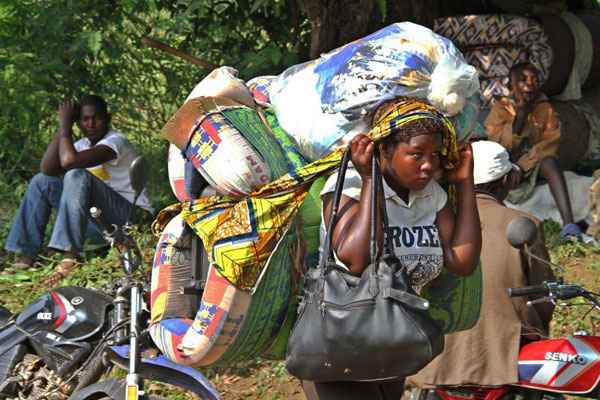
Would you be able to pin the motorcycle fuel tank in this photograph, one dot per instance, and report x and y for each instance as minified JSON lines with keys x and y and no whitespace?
{"x":565,"y":365}
{"x":74,"y":312}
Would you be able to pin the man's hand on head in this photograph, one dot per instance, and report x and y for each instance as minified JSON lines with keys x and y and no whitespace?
{"x":67,"y":113}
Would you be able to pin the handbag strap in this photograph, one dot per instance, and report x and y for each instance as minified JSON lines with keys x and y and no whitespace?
{"x":388,"y":248}
{"x":376,"y":194}
{"x":337,"y":195}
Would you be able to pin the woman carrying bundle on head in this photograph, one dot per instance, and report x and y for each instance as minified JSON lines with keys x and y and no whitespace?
{"x":418,"y":143}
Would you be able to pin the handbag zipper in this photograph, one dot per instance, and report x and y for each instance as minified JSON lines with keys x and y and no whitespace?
{"x":351,"y":306}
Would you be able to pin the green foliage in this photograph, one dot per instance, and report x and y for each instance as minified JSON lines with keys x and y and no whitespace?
{"x":562,"y":249}
{"x":382,"y":5}
{"x":577,"y":263}
{"x":56,"y":49}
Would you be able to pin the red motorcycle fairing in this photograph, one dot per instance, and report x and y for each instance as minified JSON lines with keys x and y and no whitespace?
{"x":566,"y":365}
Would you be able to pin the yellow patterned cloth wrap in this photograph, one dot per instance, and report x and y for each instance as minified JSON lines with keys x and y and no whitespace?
{"x":392,"y":116}
{"x":241,"y":234}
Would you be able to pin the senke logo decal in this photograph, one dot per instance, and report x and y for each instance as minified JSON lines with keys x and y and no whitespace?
{"x":565,"y":357}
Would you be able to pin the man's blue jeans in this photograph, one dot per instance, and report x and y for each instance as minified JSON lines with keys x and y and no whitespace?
{"x":71,"y":196}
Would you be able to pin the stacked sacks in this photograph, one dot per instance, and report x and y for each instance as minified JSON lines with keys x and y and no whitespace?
{"x":232,"y":322}
{"x":237,"y":149}
{"x":235,"y":145}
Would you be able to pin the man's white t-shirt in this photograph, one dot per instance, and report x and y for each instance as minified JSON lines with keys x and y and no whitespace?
{"x":412,"y":228}
{"x":115,"y":173}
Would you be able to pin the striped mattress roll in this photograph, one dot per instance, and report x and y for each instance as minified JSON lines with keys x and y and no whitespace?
{"x":206,"y":333}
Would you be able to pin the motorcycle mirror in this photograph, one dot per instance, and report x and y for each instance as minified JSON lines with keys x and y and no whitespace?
{"x":521,"y":231}
{"x":137,"y":175}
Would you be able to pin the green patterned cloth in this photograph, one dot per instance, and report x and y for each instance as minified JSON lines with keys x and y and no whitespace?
{"x":455,"y":300}
{"x":277,"y":150}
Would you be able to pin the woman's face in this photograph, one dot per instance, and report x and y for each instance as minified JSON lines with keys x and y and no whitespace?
{"x":413,"y":164}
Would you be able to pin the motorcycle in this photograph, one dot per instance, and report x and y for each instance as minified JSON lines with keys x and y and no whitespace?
{"x":547,"y":368}
{"x":60,"y":345}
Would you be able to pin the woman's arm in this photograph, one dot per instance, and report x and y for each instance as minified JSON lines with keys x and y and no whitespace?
{"x":351,"y":236}
{"x":461,"y":234}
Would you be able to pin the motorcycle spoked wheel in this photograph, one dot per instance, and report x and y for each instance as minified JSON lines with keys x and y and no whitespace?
{"x":37,"y":382}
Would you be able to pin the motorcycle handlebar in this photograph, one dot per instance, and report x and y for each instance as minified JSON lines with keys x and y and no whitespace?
{"x":112,"y":232}
{"x":554,"y":290}
{"x":542,"y":290}
{"x":96,"y":213}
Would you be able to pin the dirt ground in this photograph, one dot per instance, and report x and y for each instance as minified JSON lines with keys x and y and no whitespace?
{"x":580,"y":265}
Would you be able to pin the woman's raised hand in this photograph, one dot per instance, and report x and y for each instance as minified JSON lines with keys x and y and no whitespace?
{"x":464,"y":170}
{"x":362,"y":148}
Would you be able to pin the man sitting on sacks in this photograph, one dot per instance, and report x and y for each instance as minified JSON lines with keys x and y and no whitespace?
{"x":529,"y":128}
{"x":74,"y":176}
{"x":486,"y":355}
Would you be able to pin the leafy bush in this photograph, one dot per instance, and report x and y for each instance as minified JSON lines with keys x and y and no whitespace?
{"x":61,"y":48}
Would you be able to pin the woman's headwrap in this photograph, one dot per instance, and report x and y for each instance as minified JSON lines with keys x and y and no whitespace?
{"x":392,"y":116}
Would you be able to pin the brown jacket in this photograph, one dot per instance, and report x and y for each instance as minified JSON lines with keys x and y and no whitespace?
{"x":487,"y":353}
{"x":542,"y":129}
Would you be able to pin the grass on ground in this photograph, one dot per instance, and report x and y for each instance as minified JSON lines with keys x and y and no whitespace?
{"x":261,"y":379}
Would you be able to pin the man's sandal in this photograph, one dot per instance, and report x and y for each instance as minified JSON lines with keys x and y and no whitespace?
{"x":64,"y":268}
{"x":20,"y":264}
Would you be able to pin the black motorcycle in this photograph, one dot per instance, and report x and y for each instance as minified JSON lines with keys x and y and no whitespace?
{"x":67,"y":339}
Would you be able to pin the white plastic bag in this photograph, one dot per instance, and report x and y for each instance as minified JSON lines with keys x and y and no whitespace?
{"x":223,"y":82}
{"x":326,"y":101}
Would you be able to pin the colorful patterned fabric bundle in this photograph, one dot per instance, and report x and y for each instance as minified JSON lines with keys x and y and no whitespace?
{"x":237,"y":149}
{"x":176,"y":169}
{"x":494,"y":43}
{"x":216,"y":322}
{"x":231,"y":323}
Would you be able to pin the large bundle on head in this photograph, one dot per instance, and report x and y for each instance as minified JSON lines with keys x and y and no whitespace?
{"x":261,"y":237}
{"x":324,"y":102}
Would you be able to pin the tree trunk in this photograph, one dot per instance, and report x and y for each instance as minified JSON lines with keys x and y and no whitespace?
{"x":337,"y":22}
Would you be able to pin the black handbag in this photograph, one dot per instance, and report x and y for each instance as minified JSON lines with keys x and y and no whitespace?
{"x":364,"y":328}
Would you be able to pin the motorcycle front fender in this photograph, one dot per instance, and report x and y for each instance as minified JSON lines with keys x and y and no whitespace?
{"x":113,"y":388}
{"x":162,"y":369}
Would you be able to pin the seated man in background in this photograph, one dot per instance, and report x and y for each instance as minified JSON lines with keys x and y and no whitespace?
{"x":486,"y":355}
{"x":529,"y":128}
{"x":75,"y":175}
